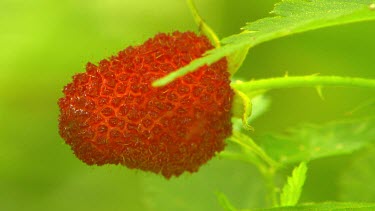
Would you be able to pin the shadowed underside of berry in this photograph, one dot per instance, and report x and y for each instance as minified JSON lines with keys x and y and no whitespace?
{"x":112,"y":115}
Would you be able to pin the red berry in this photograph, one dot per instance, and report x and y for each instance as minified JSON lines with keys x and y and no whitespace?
{"x":112,"y":115}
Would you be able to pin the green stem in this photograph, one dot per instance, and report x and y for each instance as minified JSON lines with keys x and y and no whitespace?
{"x":302,"y":81}
{"x":273,"y":195}
{"x":243,"y":157}
{"x":203,"y":27}
{"x":266,"y":165}
{"x":248,"y":143}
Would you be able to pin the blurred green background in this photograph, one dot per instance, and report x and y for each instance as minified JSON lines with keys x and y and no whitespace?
{"x":43,"y":43}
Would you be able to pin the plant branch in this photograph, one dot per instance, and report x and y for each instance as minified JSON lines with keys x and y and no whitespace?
{"x":248,"y":143}
{"x":302,"y":81}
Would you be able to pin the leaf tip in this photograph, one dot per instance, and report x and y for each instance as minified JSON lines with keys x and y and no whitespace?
{"x":160,"y":82}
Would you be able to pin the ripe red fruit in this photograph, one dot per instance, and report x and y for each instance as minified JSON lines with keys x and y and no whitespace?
{"x":112,"y":115}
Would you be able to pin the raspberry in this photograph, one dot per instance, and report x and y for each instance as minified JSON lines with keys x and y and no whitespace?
{"x":111,"y":114}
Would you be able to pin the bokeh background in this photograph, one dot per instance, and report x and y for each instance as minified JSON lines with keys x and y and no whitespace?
{"x":43,"y":43}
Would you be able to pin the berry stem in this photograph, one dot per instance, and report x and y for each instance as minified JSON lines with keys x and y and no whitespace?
{"x":266,"y":165}
{"x":254,"y":154}
{"x":302,"y":81}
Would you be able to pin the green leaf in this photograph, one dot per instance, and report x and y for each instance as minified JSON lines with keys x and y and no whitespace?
{"x":291,"y":17}
{"x":313,"y":141}
{"x":292,"y":190}
{"x":295,"y":16}
{"x":326,"y":206}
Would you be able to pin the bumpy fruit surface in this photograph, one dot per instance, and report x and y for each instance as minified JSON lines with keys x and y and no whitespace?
{"x":111,"y":114}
